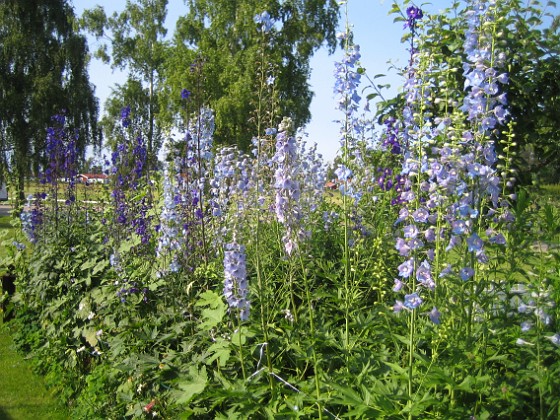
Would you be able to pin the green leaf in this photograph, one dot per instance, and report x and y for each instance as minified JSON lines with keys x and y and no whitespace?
{"x":100,"y":266}
{"x":220,"y":351}
{"x":396,"y":368}
{"x":194,"y":385}
{"x":88,"y":264}
{"x":91,"y":337}
{"x":214,"y":311}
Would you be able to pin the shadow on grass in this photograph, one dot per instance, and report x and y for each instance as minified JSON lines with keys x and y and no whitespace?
{"x":5,"y":222}
{"x":4,"y":415}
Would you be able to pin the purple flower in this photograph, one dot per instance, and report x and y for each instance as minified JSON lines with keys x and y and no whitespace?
{"x":185,"y":94}
{"x":474,"y":243}
{"x":555,"y":339}
{"x":398,"y":306}
{"x":526,"y":326}
{"x":413,"y":15}
{"x":410,"y":231}
{"x":398,"y":285}
{"x":458,"y":227}
{"x":420,"y":215}
{"x":424,"y":275}
{"x":446,"y":271}
{"x":430,"y":234}
{"x":402,"y":247}
{"x":412,"y":301}
{"x":406,"y":268}
{"x":498,"y":239}
{"x":125,"y":116}
{"x":434,"y":316}
{"x":466,"y":273}
{"x":403,"y":215}
{"x":236,"y":288}
{"x":343,"y":173}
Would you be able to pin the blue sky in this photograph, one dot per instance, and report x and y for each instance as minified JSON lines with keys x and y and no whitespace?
{"x":374,"y":30}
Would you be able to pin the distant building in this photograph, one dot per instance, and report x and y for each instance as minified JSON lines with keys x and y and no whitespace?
{"x":330,"y":185}
{"x":93,"y":178}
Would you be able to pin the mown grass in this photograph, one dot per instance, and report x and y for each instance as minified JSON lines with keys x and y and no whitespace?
{"x":23,"y":394}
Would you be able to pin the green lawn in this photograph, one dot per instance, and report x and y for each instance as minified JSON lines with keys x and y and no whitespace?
{"x":23,"y":395}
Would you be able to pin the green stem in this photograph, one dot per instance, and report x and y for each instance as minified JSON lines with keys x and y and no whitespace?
{"x":240,"y":349}
{"x":312,"y":331}
{"x":263,"y":288}
{"x":411,"y":335}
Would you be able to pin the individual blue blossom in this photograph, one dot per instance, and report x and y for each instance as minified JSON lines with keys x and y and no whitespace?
{"x":424,"y":275}
{"x":446,"y":271}
{"x":403,"y":247}
{"x":403,"y":215}
{"x":454,"y":241}
{"x":420,"y":215}
{"x":474,"y":243}
{"x":543,"y":315}
{"x":521,"y":342}
{"x":398,"y":285}
{"x":406,"y":268}
{"x":434,"y":316}
{"x":410,"y":231}
{"x":466,"y":273}
{"x":430,"y":234}
{"x":497,"y":238}
{"x":398,"y":306}
{"x":555,"y":339}
{"x":526,"y":326}
{"x":459,"y":227}
{"x":412,"y":301}
{"x":343,"y":173}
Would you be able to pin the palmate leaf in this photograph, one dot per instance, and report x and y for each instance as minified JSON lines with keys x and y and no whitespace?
{"x":220,"y":350}
{"x":213,"y":312}
{"x":191,"y":386}
{"x":370,"y":403}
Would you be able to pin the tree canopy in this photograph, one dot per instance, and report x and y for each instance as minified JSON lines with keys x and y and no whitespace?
{"x":43,"y":72}
{"x":237,"y":58}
